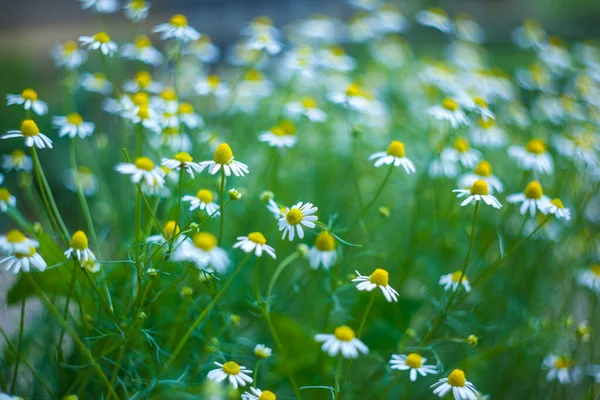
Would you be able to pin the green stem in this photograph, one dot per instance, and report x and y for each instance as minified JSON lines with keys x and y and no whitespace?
{"x":255,"y":377}
{"x":256,"y":280}
{"x":366,"y":314}
{"x":66,"y":311}
{"x":221,"y":199}
{"x":338,"y":373}
{"x":139,"y":266}
{"x":280,"y":268}
{"x":116,"y":369}
{"x":19,"y":345}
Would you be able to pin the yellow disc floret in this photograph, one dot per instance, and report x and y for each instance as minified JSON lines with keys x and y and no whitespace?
{"x":171,"y":228}
{"x":561,"y":363}
{"x":594,"y":268}
{"x":29,"y":128}
{"x":74,"y":118}
{"x":179,"y":20}
{"x":267,"y":395}
{"x":450,"y":104}
{"x":344,"y":333}
{"x":102,"y":37}
{"x":457,"y":378}
{"x":294,"y":216}
{"x":79,"y":241}
{"x":223,"y":154}
{"x":142,"y":41}
{"x":536,"y":146}
{"x":461,"y":144}
{"x":205,"y":196}
{"x":534,"y":190}
{"x":213,"y":80}
{"x":143,"y":79}
{"x":4,"y":194}
{"x":484,"y":168}
{"x":144,"y":163}
{"x":204,"y":240}
{"x":456,"y":276}
{"x":325,"y":241}
{"x":183,"y":157}
{"x":309,"y":102}
{"x":380,"y":277}
{"x":557,"y":203}
{"x":480,"y":187}
{"x":353,"y":90}
{"x":257,"y":238}
{"x":231,"y":368}
{"x":186,"y":108}
{"x":414,"y":360}
{"x":15,"y":236}
{"x":29,"y":94}
{"x":396,"y":149}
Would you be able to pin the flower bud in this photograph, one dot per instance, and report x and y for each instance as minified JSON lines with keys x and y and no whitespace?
{"x":472,"y":340}
{"x":234,"y":194}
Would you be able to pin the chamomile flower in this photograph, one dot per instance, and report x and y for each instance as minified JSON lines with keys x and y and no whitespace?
{"x":188,"y":117}
{"x":170,"y":230}
{"x":236,"y":374}
{"x":532,"y":199}
{"x":589,"y":278}
{"x":204,"y":50}
{"x":23,"y":261}
{"x":97,"y":83}
{"x":254,"y":242}
{"x":456,"y":382}
{"x":336,"y":59}
{"x":395,"y":155}
{"x":343,"y":340}
{"x":558,"y":209}
{"x":308,"y":108}
{"x":31,"y":133}
{"x":452,"y":281}
{"x":281,"y":135}
{"x":257,"y":394}
{"x":182,"y":160}
{"x":323,"y":253}
{"x":68,"y":55}
{"x":17,"y":160}
{"x":84,"y":177}
{"x":480,"y":191}
{"x":263,"y":352}
{"x":137,"y":10}
{"x":352,"y":97}
{"x":468,"y":30}
{"x":100,"y":6}
{"x":15,"y":242}
{"x":555,"y":54}
{"x":211,"y":85}
{"x":142,"y":82}
{"x":530,"y":34}
{"x":435,"y":18}
{"x":388,"y":19}
{"x":203,"y":200}
{"x":177,"y":28}
{"x":100,"y":41}
{"x":264,"y":41}
{"x":482,"y":171}
{"x":73,"y":125}
{"x":378,"y":279}
{"x":562,"y":369}
{"x":486,"y":133}
{"x":142,"y":50}
{"x":223,"y":158}
{"x":204,"y":252}
{"x":533,"y":157}
{"x":449,"y":111}
{"x":462,"y":152}
{"x":414,"y":363}
{"x":29,"y":99}
{"x":293,"y":219}
{"x":277,"y":210}
{"x":6,"y":199}
{"x":79,"y":248}
{"x":142,"y":168}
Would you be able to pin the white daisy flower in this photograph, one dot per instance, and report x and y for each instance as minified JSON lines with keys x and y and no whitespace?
{"x":182,"y":160}
{"x":260,"y":24}
{"x":263,"y":352}
{"x":352,"y":97}
{"x":456,"y":382}
{"x":23,"y":261}
{"x":343,"y":340}
{"x":469,"y":30}
{"x":558,"y":209}
{"x":462,"y":152}
{"x":236,"y":374}
{"x":308,"y":108}
{"x":204,"y":201}
{"x":256,"y":242}
{"x":412,"y":362}
{"x":323,"y":253}
{"x":177,"y":28}
{"x":79,"y":248}
{"x":562,"y":369}
{"x":15,"y":242}
{"x":211,"y":85}
{"x":388,"y":19}
{"x":17,"y":160}
{"x":476,"y":105}
{"x":531,"y":199}
{"x":137,"y":10}
{"x":435,"y":18}
{"x":188,"y":117}
{"x":203,"y":251}
{"x":442,"y":167}
{"x":589,"y":278}
{"x":6,"y":199}
{"x":97,"y":83}
{"x":277,"y":210}
{"x":300,"y":214}
{"x":281,"y":135}
{"x":204,"y":50}
{"x":379,"y":278}
{"x":86,"y":178}
{"x":529,"y":35}
{"x":452,"y":281}
{"x":555,"y":55}
{"x":29,"y":99}
{"x":100,"y":41}
{"x":449,"y":111}
{"x":479,"y":192}
{"x":483,"y":171}
{"x":395,"y":155}
{"x":142,"y":169}
{"x":100,"y":6}
{"x":73,"y":125}
{"x":68,"y":55}
{"x":257,"y":394}
{"x":336,"y":59}
{"x":145,"y":115}
{"x":142,"y":50}
{"x":169,"y":230}
{"x":533,"y":157}
{"x":223,"y":158}
{"x":487,"y":134}
{"x":264,"y":41}
{"x":31,"y":133}
{"x":142,"y":82}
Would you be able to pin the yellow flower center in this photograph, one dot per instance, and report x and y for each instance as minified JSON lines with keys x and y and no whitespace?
{"x":231,"y":368}
{"x":84,"y":170}
{"x":556,"y":41}
{"x":257,"y":237}
{"x":15,"y":236}
{"x":70,"y":46}
{"x":380,"y":277}
{"x":168,"y":94}
{"x":450,"y":104}
{"x":457,"y":378}
{"x":396,"y":149}
{"x":31,"y":253}
{"x":294,"y":216}
{"x":186,"y":108}
{"x":99,"y":76}
{"x":253,"y":75}
{"x":309,"y":102}
{"x":484,"y":168}
{"x":144,"y":112}
{"x":534,"y":190}
{"x":138,"y":4}
{"x":143,"y":79}
{"x":414,"y":360}
{"x":171,"y":229}
{"x":144,"y":163}
{"x":486,"y":123}
{"x":205,"y":196}
{"x":480,"y":102}
{"x":288,"y":127}
{"x":79,"y":241}
{"x":267,"y":395}
{"x":4,"y":194}
{"x":140,"y":98}
{"x":536,"y":146}
{"x":557,"y":203}
{"x":142,"y":41}
{"x":102,"y":37}
{"x":456,"y":276}
{"x":74,"y":118}
{"x":262,"y":20}
{"x":179,"y":20}
{"x":325,"y":241}
{"x":594,"y":268}
{"x":213,"y":80}
{"x":205,"y":241}
{"x":278,"y":131}
{"x":29,"y":94}
{"x":437,"y":11}
{"x":561,"y":363}
{"x":223,"y":154}
{"x":480,"y":187}
{"x":461,"y":144}
{"x":183,"y":157}
{"x":29,"y":128}
{"x":353,"y":90}
{"x":344,"y":333}
{"x":18,"y":156}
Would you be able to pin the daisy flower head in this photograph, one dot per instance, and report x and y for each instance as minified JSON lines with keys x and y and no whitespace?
{"x":449,"y":111}
{"x":532,"y":199}
{"x":456,"y":382}
{"x":15,"y":242}
{"x":204,"y":201}
{"x":293,"y":219}
{"x":558,"y":209}
{"x":205,"y":253}
{"x":254,"y":242}
{"x":263,"y":352}
{"x":204,"y":50}
{"x":264,"y":41}
{"x":343,"y":340}
{"x":482,"y":171}
{"x":142,"y":168}
{"x":29,"y":99}
{"x":142,"y":82}
{"x":335,"y":58}
{"x":73,"y":125}
{"x":281,"y":135}
{"x":182,"y":160}
{"x":480,"y":190}
{"x":97,"y":83}
{"x":257,"y":394}
{"x":462,"y":152}
{"x":177,"y":28}
{"x":487,"y":134}
{"x":137,"y":10}
{"x":100,"y":6}
{"x":395,"y":155}
{"x":379,"y":278}
{"x":414,"y":363}
{"x":31,"y":133}
{"x":589,"y":277}
{"x":453,"y":281}
{"x":68,"y":55}
{"x":307,"y":108}
{"x":562,"y":369}
{"x":170,"y":230}
{"x":24,"y":261}
{"x":277,"y":210}
{"x":6,"y":199}
{"x":142,"y":50}
{"x":533,"y":157}
{"x":236,"y":374}
{"x":352,"y":97}
{"x":188,"y":117}
{"x":223,"y":158}
{"x":17,"y":160}
{"x":83,"y":177}
{"x":211,"y":85}
{"x":100,"y":41}
{"x":435,"y":18}
{"x":323,"y":253}
{"x":79,"y":248}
